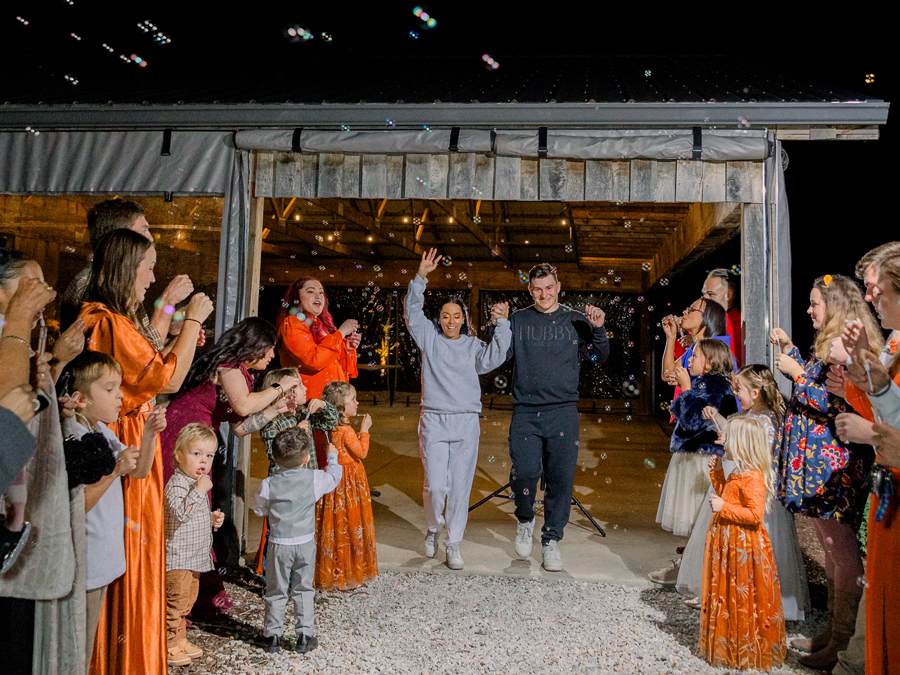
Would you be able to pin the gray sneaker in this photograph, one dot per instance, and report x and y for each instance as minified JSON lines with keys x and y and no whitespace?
{"x":667,"y":576}
{"x":524,"y":544}
{"x":454,"y":559}
{"x":431,"y":544}
{"x":552,"y":558}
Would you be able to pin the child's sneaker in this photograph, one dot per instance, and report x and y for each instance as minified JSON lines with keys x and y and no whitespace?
{"x":306,"y":643}
{"x":667,"y":576}
{"x":177,"y":657}
{"x":431,"y":544}
{"x":191,"y":651}
{"x":272,"y":644}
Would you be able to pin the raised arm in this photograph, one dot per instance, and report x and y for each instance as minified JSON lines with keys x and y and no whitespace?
{"x":421,"y":329}
{"x":357,"y":446}
{"x":181,"y":499}
{"x":245,"y":402}
{"x":494,"y":354}
{"x":326,"y":481}
{"x":184,"y":346}
{"x":596,"y":318}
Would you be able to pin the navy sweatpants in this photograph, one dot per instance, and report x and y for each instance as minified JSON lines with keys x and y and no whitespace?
{"x":544,"y":442}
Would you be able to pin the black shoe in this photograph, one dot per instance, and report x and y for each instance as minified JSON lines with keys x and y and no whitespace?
{"x":679,"y":550}
{"x":11,"y":545}
{"x":306,"y":643}
{"x":272,"y":644}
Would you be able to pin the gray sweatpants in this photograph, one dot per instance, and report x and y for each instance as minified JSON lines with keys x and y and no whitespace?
{"x":290,"y":569}
{"x":449,"y":448}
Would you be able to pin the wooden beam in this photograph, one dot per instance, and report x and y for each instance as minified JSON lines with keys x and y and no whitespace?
{"x":475,"y":230}
{"x":299,"y":233}
{"x":343,"y":209}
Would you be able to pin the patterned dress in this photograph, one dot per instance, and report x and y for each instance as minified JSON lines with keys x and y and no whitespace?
{"x":741,"y":619}
{"x":345,"y":528}
{"x":818,"y":475}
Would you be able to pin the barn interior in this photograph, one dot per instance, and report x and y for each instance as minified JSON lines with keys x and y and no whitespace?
{"x":621,"y":256}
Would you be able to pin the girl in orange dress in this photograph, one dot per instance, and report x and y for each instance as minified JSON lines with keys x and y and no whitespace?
{"x":309,"y":341}
{"x":345,"y":528}
{"x":741,"y":618}
{"x":131,"y":636}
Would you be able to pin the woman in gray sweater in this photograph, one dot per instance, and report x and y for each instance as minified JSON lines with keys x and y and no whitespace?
{"x":451,"y":400}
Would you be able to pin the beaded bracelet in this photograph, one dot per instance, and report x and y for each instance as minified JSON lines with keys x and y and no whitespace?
{"x":18,"y":339}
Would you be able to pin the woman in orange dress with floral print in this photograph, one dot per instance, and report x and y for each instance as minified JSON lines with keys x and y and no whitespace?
{"x":741,"y":618}
{"x":309,"y":341}
{"x":131,"y":637}
{"x":345,"y":527}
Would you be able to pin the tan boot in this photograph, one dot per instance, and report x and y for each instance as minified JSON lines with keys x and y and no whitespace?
{"x":191,"y":651}
{"x":821,"y":640}
{"x":843,"y":624}
{"x":177,"y":657}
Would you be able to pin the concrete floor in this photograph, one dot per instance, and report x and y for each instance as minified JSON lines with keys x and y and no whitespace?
{"x":621,"y":467}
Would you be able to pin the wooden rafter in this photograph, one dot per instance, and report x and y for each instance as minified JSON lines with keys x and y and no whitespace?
{"x":343,"y":209}
{"x":299,"y":233}
{"x":462,"y":218}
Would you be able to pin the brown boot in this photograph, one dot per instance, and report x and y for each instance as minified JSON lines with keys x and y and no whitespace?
{"x":843,"y":624}
{"x":190,"y":650}
{"x":177,"y":657}
{"x":821,"y":640}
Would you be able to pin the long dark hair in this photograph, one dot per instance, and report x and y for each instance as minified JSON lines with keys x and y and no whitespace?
{"x":467,"y":327}
{"x":714,"y":319}
{"x":322,"y":326}
{"x":244,"y":342}
{"x":114,"y":270}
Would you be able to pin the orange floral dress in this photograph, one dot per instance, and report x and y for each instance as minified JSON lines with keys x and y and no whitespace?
{"x":318,"y":363}
{"x":741,"y":619}
{"x":131,"y":637}
{"x":345,"y":528}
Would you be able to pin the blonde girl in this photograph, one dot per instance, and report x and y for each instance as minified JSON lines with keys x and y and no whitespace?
{"x":758,"y":395}
{"x":741,"y":619}
{"x":345,"y":528}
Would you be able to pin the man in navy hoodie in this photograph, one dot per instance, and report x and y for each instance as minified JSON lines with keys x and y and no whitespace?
{"x":548,"y":343}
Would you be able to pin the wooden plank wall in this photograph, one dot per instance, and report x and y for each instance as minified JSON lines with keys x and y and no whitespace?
{"x":479,"y":176}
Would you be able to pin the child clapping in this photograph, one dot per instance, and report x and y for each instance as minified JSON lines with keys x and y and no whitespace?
{"x":189,"y":526}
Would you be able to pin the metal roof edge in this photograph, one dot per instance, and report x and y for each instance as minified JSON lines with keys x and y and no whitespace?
{"x":361,"y":116}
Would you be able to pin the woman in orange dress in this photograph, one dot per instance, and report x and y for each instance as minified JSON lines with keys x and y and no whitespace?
{"x":741,"y":618}
{"x":309,"y":341}
{"x":882,"y":630}
{"x":345,"y":527}
{"x":131,"y":637}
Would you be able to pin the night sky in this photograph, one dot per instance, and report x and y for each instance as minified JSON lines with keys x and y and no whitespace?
{"x":841,"y":194}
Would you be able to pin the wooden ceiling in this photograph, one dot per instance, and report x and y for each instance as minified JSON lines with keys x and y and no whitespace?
{"x":631,"y":246}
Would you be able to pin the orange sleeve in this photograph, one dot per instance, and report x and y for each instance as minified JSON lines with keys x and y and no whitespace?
{"x":752,"y":506}
{"x":144,"y":370}
{"x":857,"y":398}
{"x":718,"y":480}
{"x":357,"y":446}
{"x":348,"y":361}
{"x":298,"y":339}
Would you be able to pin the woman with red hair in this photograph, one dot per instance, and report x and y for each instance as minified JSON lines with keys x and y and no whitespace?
{"x":309,"y":341}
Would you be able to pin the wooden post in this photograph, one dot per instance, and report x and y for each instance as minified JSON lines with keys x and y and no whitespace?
{"x":754,"y":277}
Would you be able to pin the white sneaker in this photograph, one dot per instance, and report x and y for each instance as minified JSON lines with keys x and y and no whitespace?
{"x":552,"y":558}
{"x":431,"y":544}
{"x":524,"y":544}
{"x":667,"y":576}
{"x":454,"y":559}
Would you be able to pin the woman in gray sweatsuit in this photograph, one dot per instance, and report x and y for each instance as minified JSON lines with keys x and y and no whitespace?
{"x":451,"y":400}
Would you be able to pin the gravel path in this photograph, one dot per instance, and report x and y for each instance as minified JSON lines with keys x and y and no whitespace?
{"x":457,"y":624}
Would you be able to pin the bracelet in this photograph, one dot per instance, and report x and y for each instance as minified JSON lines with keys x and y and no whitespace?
{"x":195,"y":321}
{"x":18,"y":339}
{"x":883,"y":391}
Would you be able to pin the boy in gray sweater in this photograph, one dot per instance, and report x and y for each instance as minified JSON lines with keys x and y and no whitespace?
{"x":288,"y":497}
{"x":451,"y":400}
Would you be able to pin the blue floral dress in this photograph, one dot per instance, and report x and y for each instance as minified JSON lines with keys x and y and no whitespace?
{"x":818,"y":475}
